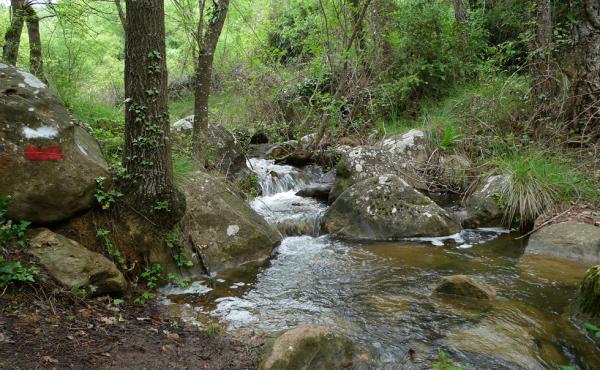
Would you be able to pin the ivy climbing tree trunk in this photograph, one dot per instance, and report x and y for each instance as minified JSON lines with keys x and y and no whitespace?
{"x":204,"y":67}
{"x":36,"y":63}
{"x":12,"y":38}
{"x":147,"y":157}
{"x":586,"y":60}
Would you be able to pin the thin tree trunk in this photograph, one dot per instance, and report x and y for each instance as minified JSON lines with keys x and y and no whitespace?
{"x":36,"y":62}
{"x":147,"y":155}
{"x":204,"y":68}
{"x":358,"y":24}
{"x":120,"y":12}
{"x":586,"y":58}
{"x":543,"y":47}
{"x":12,"y":38}
{"x":460,"y":11}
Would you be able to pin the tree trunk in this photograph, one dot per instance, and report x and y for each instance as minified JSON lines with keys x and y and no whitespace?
{"x":120,"y":12}
{"x":542,"y":52}
{"x":586,"y":59}
{"x":147,"y":156}
{"x":358,"y":24}
{"x":12,"y":38}
{"x":36,"y":63}
{"x":460,"y":11}
{"x":203,"y":78}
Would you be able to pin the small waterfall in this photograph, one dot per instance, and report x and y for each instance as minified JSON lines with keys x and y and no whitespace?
{"x":274,"y":178}
{"x":279,"y":204}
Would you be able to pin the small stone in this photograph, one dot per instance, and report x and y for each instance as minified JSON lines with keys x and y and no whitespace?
{"x":466,"y":286}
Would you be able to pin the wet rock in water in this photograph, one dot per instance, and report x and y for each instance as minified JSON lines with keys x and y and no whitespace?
{"x":49,"y":164}
{"x":310,"y":347}
{"x":297,"y":227}
{"x":512,"y":335}
{"x":281,"y":150}
{"x":361,"y":163}
{"x":225,"y":231}
{"x":316,"y":191}
{"x":74,"y":266}
{"x":386,"y":208}
{"x":571,"y":239}
{"x":466,"y":286}
{"x":483,"y":207}
{"x":297,"y":158}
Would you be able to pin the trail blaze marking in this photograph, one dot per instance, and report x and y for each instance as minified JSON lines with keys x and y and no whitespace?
{"x":50,"y":153}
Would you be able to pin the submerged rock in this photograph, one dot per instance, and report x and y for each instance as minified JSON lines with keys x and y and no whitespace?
{"x":298,"y":227}
{"x":483,"y":207}
{"x":386,"y":208}
{"x":572,"y":240}
{"x":226,"y":233}
{"x":362,"y":163}
{"x":466,"y":286}
{"x":74,"y":266}
{"x":49,"y":164}
{"x":310,"y":347}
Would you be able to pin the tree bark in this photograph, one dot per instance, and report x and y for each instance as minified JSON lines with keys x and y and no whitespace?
{"x":36,"y":62}
{"x":12,"y":38}
{"x":204,"y":67}
{"x":147,"y":156}
{"x":120,"y":12}
{"x":460,"y":11}
{"x":586,"y":59}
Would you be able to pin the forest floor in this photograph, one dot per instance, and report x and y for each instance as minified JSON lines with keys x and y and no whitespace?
{"x":41,"y":328}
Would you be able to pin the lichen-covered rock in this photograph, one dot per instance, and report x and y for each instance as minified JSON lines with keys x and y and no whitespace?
{"x":571,"y":239}
{"x":309,"y":347}
{"x":279,"y":151}
{"x":410,"y":146}
{"x":386,"y":208}
{"x":49,"y":164}
{"x":484,"y":207}
{"x":74,"y":266}
{"x":224,"y":230}
{"x":465,"y":286}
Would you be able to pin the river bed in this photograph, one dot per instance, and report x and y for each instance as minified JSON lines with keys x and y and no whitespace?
{"x":380,"y":294}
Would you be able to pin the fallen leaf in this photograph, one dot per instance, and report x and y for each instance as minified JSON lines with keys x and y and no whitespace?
{"x":166,"y":348}
{"x":108,"y":320}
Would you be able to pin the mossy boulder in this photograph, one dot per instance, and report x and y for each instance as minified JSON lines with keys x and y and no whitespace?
{"x":224,"y":231}
{"x":386,"y":208}
{"x":309,"y":347}
{"x":73,"y":265}
{"x":484,"y":207}
{"x":49,"y":164}
{"x":590,"y":293}
{"x":571,"y":239}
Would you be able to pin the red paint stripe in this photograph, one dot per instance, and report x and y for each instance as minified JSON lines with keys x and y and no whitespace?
{"x":50,"y":153}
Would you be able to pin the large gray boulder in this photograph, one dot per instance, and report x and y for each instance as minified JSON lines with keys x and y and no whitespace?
{"x":74,"y":266}
{"x":224,"y":151}
{"x":403,"y":155}
{"x":49,"y":164}
{"x":572,"y":240}
{"x":224,"y":230}
{"x":484,"y":206}
{"x":386,"y":208}
{"x":310,"y":347}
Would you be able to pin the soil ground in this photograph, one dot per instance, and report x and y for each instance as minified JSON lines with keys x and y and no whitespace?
{"x":42,"y":328}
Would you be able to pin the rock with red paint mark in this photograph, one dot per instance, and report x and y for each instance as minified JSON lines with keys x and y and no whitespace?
{"x":48,"y":164}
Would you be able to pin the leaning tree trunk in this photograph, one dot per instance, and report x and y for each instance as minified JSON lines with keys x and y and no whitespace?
{"x":12,"y":38}
{"x":147,"y":155}
{"x":204,"y":69}
{"x":36,"y":64}
{"x":586,"y":59}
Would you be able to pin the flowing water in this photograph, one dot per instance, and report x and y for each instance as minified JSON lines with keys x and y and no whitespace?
{"x":380,"y":294}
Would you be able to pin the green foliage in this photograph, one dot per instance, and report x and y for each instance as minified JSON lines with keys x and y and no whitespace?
{"x":590,"y":294}
{"x":445,"y":362}
{"x":9,"y":230}
{"x":151,"y":277}
{"x":540,"y":180}
{"x":106,"y":198}
{"x":109,"y":247}
{"x":593,"y":328}
{"x":214,"y":330}
{"x":177,"y":280}
{"x":14,"y":271}
{"x":174,"y":242}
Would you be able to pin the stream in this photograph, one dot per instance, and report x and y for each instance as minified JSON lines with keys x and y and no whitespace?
{"x":379,"y":294}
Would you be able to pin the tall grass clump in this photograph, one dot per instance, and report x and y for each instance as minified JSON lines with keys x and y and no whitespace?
{"x":540,"y":181}
{"x":590,"y":292}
